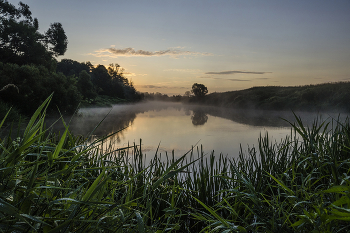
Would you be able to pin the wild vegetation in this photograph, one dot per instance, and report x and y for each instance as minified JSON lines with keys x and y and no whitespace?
{"x":28,"y":61}
{"x":59,"y":182}
{"x":62,"y":183}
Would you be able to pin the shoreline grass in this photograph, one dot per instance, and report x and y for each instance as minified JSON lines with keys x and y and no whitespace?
{"x":62,"y":183}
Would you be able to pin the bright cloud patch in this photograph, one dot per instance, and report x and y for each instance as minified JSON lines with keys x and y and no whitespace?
{"x":185,"y":70}
{"x":228,"y":79}
{"x":234,"y":79}
{"x":131,"y":52}
{"x":237,"y":72}
{"x":159,"y":87}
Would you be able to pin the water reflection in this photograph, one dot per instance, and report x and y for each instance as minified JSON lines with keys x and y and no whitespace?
{"x":178,"y":127}
{"x":199,"y":117}
{"x":103,"y":121}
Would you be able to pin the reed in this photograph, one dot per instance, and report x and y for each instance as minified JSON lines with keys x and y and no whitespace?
{"x":64,"y":183}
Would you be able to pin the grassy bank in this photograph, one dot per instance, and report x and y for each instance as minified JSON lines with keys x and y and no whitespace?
{"x":62,"y":183}
{"x":321,"y":97}
{"x":101,"y":101}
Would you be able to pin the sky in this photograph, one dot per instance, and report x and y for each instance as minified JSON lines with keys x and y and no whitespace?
{"x":167,"y":46}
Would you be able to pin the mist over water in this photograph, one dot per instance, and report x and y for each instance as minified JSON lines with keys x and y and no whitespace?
{"x":178,"y":127}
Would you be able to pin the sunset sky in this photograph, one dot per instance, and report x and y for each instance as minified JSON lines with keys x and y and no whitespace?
{"x":166,"y":46}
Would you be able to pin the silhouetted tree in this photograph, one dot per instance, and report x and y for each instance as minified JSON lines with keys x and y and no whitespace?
{"x":102,"y":80}
{"x":35,"y":84}
{"x":22,"y":43}
{"x":85,"y":86}
{"x":199,"y":90}
{"x":116,"y":72}
{"x":70,"y":67}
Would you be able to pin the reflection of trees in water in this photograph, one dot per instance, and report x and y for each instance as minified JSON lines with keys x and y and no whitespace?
{"x":85,"y":125}
{"x":107,"y":120}
{"x":199,"y":117}
{"x":122,"y":116}
{"x":254,"y":117}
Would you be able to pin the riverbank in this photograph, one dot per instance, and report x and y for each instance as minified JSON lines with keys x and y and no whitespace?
{"x":63,"y":183}
{"x":101,"y":101}
{"x":320,"y":97}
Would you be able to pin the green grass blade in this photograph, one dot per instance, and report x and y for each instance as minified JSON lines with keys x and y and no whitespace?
{"x":282,"y":184}
{"x":3,"y":120}
{"x":88,"y":193}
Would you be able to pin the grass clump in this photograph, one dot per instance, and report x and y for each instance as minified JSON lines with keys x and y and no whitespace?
{"x":62,"y":183}
{"x":299,"y":185}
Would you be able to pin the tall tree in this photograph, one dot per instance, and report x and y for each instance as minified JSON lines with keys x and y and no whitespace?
{"x":199,"y":90}
{"x":70,"y":67}
{"x":22,"y":43}
{"x":85,"y":86}
{"x":116,"y":72}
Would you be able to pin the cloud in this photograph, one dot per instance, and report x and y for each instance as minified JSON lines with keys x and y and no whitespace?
{"x":133,"y":74}
{"x":237,"y":72}
{"x":131,"y":52}
{"x":238,"y":80}
{"x":185,"y":70}
{"x":228,"y":79}
{"x":152,"y":86}
{"x":158,"y":87}
{"x":234,"y":79}
{"x":129,"y":74}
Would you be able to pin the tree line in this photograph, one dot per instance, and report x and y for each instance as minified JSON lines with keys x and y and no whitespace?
{"x":28,"y":61}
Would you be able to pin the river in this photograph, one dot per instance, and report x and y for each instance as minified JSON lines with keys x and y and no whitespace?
{"x":178,"y":127}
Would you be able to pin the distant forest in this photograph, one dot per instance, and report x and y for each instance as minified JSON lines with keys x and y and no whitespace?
{"x":30,"y":72}
{"x":320,"y":97}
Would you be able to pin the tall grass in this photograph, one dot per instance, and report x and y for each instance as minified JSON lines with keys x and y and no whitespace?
{"x":298,"y":185}
{"x":62,"y":183}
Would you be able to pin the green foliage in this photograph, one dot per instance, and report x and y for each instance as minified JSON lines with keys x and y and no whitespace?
{"x":34,"y":84}
{"x":52,"y":183}
{"x":102,"y":101}
{"x":27,"y":60}
{"x":65,"y":183}
{"x":102,"y":81}
{"x":70,"y":67}
{"x":85,"y":86}
{"x":298,"y":185}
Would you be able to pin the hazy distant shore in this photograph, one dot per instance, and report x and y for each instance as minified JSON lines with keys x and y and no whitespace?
{"x":321,"y":97}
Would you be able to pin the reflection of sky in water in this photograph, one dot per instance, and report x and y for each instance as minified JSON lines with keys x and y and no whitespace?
{"x":174,"y":130}
{"x":179,"y":127}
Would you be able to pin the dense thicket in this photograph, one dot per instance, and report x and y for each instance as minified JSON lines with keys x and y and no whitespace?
{"x":99,"y":80}
{"x":28,"y":61}
{"x":35,"y":83}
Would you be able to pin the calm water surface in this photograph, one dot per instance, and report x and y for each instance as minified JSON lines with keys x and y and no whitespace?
{"x":178,"y":127}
